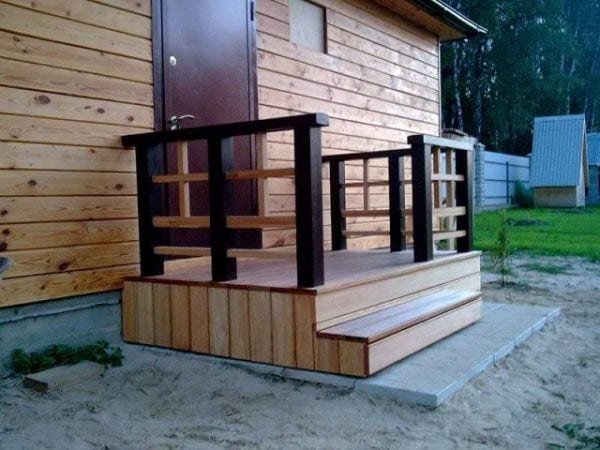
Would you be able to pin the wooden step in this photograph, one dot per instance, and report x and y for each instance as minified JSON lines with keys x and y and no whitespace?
{"x":372,"y":342}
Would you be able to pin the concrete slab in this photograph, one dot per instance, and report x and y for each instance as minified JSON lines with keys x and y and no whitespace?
{"x":431,"y":376}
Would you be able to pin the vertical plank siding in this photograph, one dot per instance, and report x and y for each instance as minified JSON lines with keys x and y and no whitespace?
{"x":379,"y":82}
{"x":75,"y":75}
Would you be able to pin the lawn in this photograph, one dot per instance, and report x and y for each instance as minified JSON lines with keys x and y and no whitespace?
{"x":560,"y":232}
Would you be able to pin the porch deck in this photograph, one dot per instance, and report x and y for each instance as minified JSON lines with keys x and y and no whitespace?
{"x":263,"y":316}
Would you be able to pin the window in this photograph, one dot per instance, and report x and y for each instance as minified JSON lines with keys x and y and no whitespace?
{"x":307,"y":25}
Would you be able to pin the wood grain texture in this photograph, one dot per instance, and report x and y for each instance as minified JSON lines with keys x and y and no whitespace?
{"x":353,"y":358}
{"x":304,"y":320}
{"x":239,"y":324}
{"x":162,"y":315}
{"x":327,"y":355}
{"x":144,"y":311}
{"x":218,"y":313}
{"x":128,"y":316}
{"x":199,"y":319}
{"x":180,"y":317}
{"x":284,"y":351}
{"x":261,"y":327}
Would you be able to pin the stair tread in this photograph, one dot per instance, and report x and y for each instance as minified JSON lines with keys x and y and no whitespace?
{"x":380,"y":324}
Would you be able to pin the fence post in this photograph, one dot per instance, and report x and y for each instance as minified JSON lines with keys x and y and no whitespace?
{"x":397,"y":203}
{"x":150,"y":160}
{"x":220,"y":160}
{"x":337,"y":177}
{"x":464,"y":197}
{"x":422,"y":208}
{"x":309,"y":206}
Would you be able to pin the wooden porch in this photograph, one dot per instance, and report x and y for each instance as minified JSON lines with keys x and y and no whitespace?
{"x":340,"y":311}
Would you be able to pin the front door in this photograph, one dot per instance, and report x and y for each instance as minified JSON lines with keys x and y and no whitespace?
{"x":208,"y":72}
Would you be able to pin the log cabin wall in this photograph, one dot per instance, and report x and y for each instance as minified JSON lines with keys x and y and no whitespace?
{"x":75,"y":75}
{"x":378,"y":81}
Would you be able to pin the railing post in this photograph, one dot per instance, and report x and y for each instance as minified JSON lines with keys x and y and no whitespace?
{"x":422,"y":208}
{"x":150,"y":160}
{"x":309,"y":206}
{"x":464,"y":197}
{"x":220,"y":160}
{"x":337,"y":177}
{"x":397,"y":203}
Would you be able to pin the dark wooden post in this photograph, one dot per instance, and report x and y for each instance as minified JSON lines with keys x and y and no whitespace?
{"x":464,"y":197}
{"x":309,"y":206}
{"x":220,"y":160}
{"x":397,"y":203}
{"x":150,"y":160}
{"x":422,"y":209}
{"x":337,"y":177}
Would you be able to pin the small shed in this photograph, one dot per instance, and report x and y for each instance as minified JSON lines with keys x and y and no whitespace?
{"x":559,"y":169}
{"x":593,"y":194}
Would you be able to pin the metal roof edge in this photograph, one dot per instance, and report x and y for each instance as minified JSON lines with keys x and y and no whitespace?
{"x":559,"y":118}
{"x":451,"y":17}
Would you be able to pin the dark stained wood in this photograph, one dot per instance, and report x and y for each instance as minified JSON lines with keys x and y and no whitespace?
{"x":337,"y":178}
{"x":309,"y":206}
{"x":464,"y":197}
{"x":151,"y":197}
{"x":220,"y":160}
{"x":422,"y":207}
{"x":367,"y":155}
{"x":396,"y":194}
{"x":229,"y":129}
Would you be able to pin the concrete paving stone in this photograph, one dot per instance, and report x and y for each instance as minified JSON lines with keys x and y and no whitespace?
{"x":490,"y":306}
{"x":497,"y":346}
{"x":319,"y":377}
{"x":465,"y":359}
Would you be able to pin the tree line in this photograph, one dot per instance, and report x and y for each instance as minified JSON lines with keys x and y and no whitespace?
{"x":539,"y":58}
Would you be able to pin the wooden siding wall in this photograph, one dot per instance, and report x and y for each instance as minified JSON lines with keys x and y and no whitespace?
{"x":75,"y":75}
{"x":379,"y":82}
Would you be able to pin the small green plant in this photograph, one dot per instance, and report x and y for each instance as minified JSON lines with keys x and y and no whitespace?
{"x":58,"y":355}
{"x":523,"y":196}
{"x":501,"y":253}
{"x":587,"y":437}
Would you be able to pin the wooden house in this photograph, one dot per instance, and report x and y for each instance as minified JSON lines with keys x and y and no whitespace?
{"x":240,"y":170}
{"x":559,"y":168}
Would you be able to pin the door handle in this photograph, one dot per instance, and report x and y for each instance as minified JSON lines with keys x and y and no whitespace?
{"x":174,"y":122}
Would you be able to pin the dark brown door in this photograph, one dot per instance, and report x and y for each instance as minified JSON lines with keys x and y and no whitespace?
{"x":208,"y":71}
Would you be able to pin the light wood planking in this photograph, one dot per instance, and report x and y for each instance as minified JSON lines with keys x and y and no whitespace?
{"x":261,"y":327}
{"x":32,"y":76}
{"x":142,"y":7}
{"x":199,"y":327}
{"x":353,"y":359}
{"x":239,"y":324}
{"x":144,"y":312}
{"x":18,"y":291}
{"x":162,"y":315}
{"x":48,"y":183}
{"x":65,"y":234}
{"x":304,"y":319}
{"x":42,"y":261}
{"x":218,"y":314}
{"x":66,"y":31}
{"x":327,"y":355}
{"x":180,"y":317}
{"x":38,"y":51}
{"x":92,"y":13}
{"x":128,"y":312}
{"x":48,"y":209}
{"x":18,"y":155}
{"x":282,"y":307}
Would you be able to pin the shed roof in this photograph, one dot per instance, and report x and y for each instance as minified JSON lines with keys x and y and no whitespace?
{"x":558,"y":150}
{"x":435,"y":16}
{"x":593,"y":148}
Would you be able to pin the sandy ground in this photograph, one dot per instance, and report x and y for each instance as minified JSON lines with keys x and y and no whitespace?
{"x":169,"y":400}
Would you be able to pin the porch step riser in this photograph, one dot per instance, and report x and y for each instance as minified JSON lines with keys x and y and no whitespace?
{"x":362,"y":359}
{"x":346,"y":304}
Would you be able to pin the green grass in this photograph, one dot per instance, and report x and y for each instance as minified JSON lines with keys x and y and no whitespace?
{"x":552,"y":232}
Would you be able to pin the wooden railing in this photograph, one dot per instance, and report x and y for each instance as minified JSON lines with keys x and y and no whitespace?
{"x":442,"y":196}
{"x":152,"y":179}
